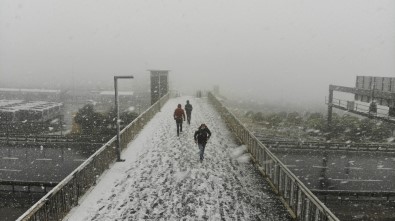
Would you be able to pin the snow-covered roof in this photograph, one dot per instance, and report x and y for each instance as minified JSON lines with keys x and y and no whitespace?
{"x":9,"y":102}
{"x":112,"y":93}
{"x":29,"y":90}
{"x":32,"y":105}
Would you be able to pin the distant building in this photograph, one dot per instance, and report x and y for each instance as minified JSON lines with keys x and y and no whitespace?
{"x":32,"y":111}
{"x":30,"y":94}
{"x":104,"y":100}
{"x":374,"y":97}
{"x":159,"y":84}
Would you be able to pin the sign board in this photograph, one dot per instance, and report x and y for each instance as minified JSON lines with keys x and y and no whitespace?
{"x":375,"y":84}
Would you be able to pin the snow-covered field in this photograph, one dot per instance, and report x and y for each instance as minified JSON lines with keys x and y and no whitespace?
{"x":162,"y":178}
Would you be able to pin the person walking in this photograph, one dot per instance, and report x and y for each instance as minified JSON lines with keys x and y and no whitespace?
{"x":179,"y":116}
{"x":201,"y":137}
{"x":188,"y":110}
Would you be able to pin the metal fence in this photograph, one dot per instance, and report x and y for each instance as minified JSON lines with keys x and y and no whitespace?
{"x":62,"y":198}
{"x":373,"y":147}
{"x":359,"y":107}
{"x":44,"y":138}
{"x":299,"y":200}
{"x":340,"y":196}
{"x":25,"y":186}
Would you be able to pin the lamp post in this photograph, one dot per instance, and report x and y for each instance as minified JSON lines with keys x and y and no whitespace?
{"x":117,"y":110}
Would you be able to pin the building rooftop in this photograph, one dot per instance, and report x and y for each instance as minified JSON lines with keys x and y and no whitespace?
{"x":29,"y":90}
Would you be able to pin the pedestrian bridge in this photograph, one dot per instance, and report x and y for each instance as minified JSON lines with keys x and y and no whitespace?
{"x":162,"y":178}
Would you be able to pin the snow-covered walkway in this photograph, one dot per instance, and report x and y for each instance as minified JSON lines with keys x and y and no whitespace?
{"x":162,"y":178}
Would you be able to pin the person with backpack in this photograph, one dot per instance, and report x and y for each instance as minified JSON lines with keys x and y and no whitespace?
{"x":188,"y":110}
{"x":179,"y":116}
{"x":201,"y":137}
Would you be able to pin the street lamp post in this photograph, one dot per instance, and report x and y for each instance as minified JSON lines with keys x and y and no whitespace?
{"x":117,"y":110}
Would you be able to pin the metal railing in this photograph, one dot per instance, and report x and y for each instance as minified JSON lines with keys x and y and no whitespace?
{"x":299,"y":200}
{"x":26,"y":186}
{"x":359,"y":107}
{"x":44,"y":138}
{"x":339,"y":196}
{"x":62,"y":198}
{"x":376,"y":147}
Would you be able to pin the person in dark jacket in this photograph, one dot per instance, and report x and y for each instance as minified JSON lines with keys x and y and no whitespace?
{"x":179,"y":116}
{"x":201,"y":137}
{"x":188,"y":110}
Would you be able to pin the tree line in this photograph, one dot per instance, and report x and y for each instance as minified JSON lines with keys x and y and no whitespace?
{"x":95,"y":123}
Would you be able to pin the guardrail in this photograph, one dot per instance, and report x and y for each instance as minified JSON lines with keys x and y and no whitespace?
{"x":25,"y":186}
{"x":21,"y":138}
{"x":381,"y":147}
{"x":62,"y":198}
{"x":347,"y":195}
{"x":359,"y":108}
{"x":299,"y":200}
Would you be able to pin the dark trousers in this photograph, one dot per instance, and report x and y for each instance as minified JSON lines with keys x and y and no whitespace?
{"x":189,"y":117}
{"x":201,"y":146}
{"x":179,"y":126}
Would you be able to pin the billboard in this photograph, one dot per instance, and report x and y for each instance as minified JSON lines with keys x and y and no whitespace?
{"x":375,"y":84}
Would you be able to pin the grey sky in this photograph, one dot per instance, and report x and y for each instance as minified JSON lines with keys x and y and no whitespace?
{"x":277,"y":49}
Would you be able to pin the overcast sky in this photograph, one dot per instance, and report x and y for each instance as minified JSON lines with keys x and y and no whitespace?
{"x":279,"y":49}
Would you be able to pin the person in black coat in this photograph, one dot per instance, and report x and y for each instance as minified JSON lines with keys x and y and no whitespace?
{"x":188,"y":109}
{"x":201,"y":137}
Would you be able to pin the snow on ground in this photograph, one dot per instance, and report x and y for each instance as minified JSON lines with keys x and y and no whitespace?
{"x":162,"y":178}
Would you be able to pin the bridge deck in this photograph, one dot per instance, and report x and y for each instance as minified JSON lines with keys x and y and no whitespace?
{"x":162,"y":178}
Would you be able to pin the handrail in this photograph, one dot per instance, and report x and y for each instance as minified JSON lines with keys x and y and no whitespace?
{"x":356,"y":193}
{"x":63,"y":197}
{"x":299,"y":200}
{"x":349,"y":195}
{"x":8,"y":138}
{"x":359,"y":107}
{"x":28,"y":184}
{"x":380,"y":147}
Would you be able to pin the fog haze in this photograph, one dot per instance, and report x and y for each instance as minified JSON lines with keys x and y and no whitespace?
{"x":269,"y":50}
